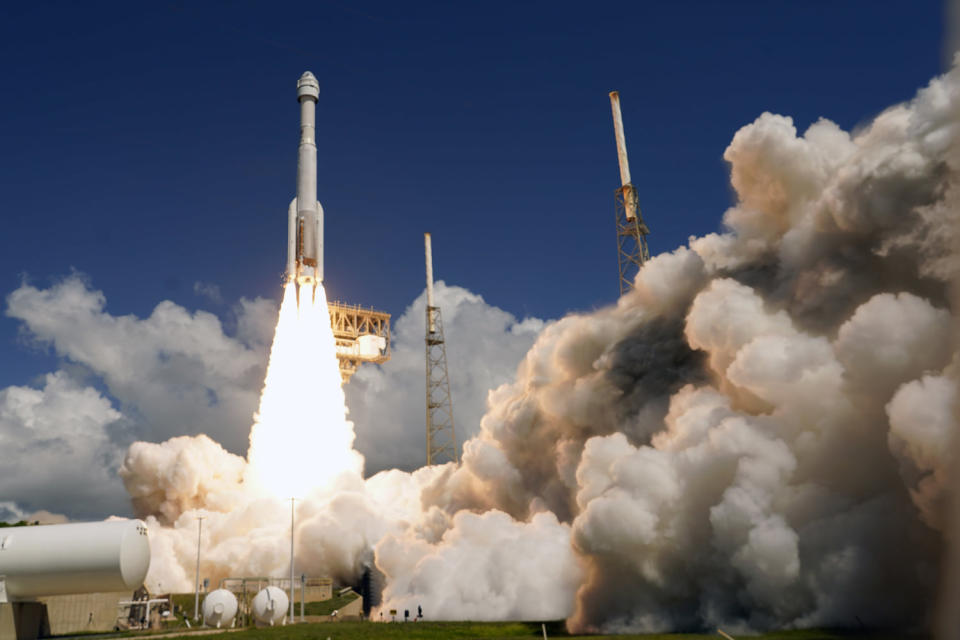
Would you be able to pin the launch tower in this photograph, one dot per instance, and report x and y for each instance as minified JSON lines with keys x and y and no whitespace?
{"x":632,"y":232}
{"x":362,"y":335}
{"x":441,"y":439}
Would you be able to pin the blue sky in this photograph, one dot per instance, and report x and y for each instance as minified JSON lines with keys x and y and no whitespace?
{"x":151,"y":146}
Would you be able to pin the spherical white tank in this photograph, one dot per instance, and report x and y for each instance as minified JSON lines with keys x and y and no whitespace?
{"x":219,"y":608}
{"x":57,"y":559}
{"x":270,"y":605}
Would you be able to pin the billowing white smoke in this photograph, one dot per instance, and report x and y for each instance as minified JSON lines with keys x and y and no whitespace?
{"x":181,"y":474}
{"x":518,"y":571}
{"x":758,"y":436}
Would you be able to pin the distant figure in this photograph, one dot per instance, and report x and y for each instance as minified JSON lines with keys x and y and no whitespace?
{"x":419,"y":611}
{"x":406,"y":615}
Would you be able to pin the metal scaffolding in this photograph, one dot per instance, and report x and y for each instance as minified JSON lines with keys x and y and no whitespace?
{"x":632,"y":232}
{"x":362,"y":335}
{"x":441,"y":437}
{"x":632,"y":250}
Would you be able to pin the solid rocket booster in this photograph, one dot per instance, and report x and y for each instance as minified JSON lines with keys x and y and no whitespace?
{"x":305,"y":215}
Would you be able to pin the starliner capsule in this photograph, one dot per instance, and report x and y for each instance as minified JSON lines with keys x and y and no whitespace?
{"x":305,"y":215}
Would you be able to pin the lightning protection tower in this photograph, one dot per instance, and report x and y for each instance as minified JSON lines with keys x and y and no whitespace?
{"x":441,"y":440}
{"x":632,"y":249}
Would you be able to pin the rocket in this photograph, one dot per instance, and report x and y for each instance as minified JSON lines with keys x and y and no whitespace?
{"x":305,"y":215}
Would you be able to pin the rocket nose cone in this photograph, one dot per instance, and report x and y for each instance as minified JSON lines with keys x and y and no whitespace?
{"x":307,"y":85}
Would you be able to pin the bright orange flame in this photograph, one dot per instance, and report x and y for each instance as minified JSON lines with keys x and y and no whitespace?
{"x":301,"y":438}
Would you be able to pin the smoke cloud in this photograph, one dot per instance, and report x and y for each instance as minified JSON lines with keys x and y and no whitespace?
{"x":758,"y":436}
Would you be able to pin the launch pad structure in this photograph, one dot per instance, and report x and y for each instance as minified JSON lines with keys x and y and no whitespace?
{"x":632,"y":250}
{"x":441,"y":437}
{"x":362,"y":335}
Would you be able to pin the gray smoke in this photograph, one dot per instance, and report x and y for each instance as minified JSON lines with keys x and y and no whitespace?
{"x":759,"y":435}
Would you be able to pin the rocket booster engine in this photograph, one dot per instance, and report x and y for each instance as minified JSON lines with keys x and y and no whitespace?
{"x":305,"y":215}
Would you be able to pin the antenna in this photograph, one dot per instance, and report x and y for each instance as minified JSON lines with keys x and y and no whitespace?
{"x":632,"y":250}
{"x":441,"y":439}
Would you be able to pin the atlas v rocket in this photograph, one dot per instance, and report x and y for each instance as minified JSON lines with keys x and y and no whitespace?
{"x":305,"y":216}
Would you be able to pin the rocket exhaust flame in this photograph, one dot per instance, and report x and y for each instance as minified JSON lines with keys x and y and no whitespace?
{"x":301,"y":439}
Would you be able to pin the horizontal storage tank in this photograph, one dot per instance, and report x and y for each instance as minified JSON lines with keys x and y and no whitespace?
{"x":60,"y":559}
{"x":219,"y":608}
{"x":270,"y":605}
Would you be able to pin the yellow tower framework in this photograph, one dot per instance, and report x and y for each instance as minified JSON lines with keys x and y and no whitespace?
{"x":362,"y":335}
{"x":441,"y":437}
{"x":632,"y":251}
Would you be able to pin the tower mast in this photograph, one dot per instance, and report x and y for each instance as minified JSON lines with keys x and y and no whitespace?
{"x":441,"y":439}
{"x":632,"y":249}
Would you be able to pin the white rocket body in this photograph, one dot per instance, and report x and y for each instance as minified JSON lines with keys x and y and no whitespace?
{"x":305,"y":215}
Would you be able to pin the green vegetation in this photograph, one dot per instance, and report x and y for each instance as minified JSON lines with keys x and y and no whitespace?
{"x":487,"y":631}
{"x":22,"y":523}
{"x":503,"y":631}
{"x":182,"y":610}
{"x":183,"y":603}
{"x":327,"y":607}
{"x":432,"y":630}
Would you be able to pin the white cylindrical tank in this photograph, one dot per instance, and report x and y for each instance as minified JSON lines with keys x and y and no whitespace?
{"x":270,"y":605}
{"x":59,"y":559}
{"x":219,"y":608}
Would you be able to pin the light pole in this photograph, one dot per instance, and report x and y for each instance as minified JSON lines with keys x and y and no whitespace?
{"x":292,"y":500}
{"x":196,"y":600}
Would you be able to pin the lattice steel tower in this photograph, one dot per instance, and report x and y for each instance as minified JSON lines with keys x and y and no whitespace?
{"x":632,"y":249}
{"x":441,"y":439}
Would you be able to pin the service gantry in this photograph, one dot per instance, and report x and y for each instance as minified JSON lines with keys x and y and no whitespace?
{"x":441,"y":438}
{"x":632,"y":233}
{"x":362,"y":335}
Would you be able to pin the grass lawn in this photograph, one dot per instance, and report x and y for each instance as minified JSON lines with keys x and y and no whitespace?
{"x":501,"y":630}
{"x":326,"y":607}
{"x":467,"y":630}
